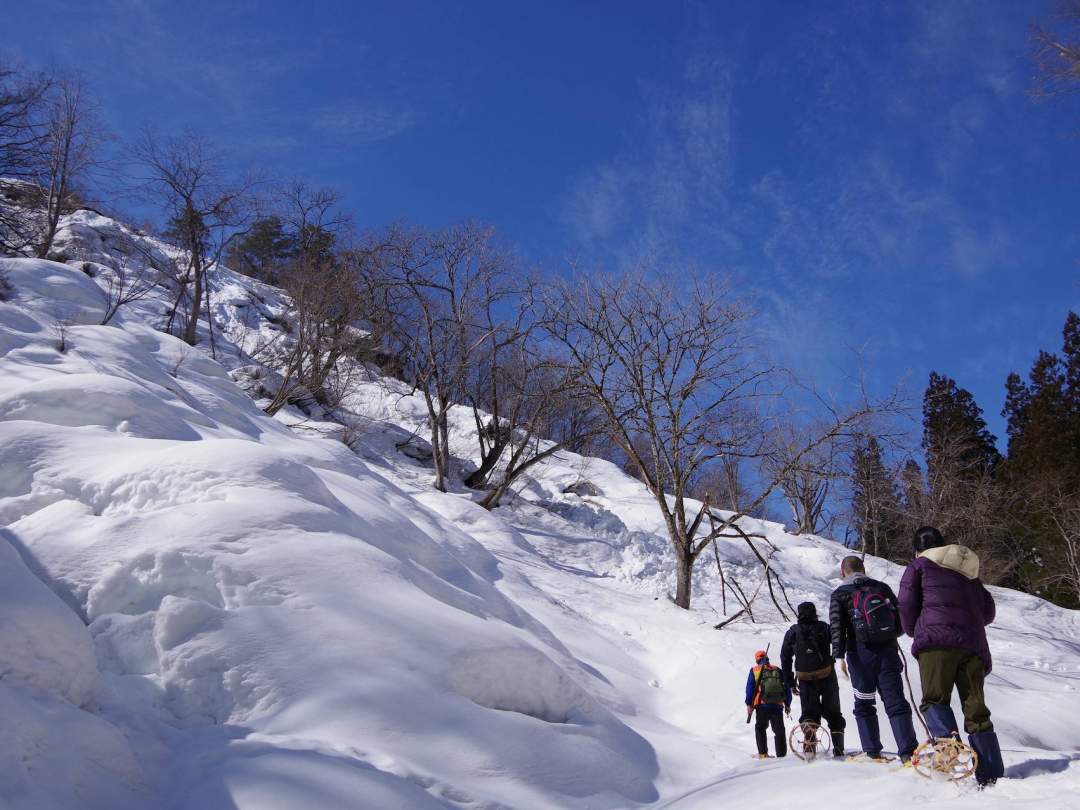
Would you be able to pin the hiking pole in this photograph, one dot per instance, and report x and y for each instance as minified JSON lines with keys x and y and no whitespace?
{"x":911,"y":692}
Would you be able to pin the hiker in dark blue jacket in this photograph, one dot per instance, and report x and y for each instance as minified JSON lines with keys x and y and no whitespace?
{"x":864,"y":621}
{"x":770,"y":697}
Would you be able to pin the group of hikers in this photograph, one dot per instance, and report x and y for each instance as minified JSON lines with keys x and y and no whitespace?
{"x":942,"y":605}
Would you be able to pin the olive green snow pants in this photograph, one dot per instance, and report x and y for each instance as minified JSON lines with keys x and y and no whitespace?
{"x":941,"y":668}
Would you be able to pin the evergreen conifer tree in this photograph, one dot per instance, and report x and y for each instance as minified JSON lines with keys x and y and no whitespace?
{"x":956,"y":439}
{"x":263,"y":251}
{"x":1043,"y":466}
{"x":876,"y":504}
{"x":964,"y":496}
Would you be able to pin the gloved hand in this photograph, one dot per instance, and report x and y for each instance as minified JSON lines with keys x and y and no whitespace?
{"x":843,"y":668}
{"x":749,"y":710}
{"x":787,"y":712}
{"x":795,"y":690}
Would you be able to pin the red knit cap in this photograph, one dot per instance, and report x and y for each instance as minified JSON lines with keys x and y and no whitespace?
{"x":760,"y":654}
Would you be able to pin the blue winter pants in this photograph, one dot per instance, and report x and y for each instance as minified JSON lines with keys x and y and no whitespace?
{"x":877,"y":670}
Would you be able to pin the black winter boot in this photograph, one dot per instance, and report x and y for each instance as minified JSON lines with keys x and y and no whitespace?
{"x":838,"y":743}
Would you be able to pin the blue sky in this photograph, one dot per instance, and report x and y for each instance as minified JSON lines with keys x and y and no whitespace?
{"x":874,"y":176}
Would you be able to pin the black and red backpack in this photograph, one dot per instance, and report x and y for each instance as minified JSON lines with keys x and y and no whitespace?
{"x":873,"y":615}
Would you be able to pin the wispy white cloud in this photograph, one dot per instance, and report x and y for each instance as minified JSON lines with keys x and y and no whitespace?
{"x":363,"y":122}
{"x":973,"y":251}
{"x":670,"y":182}
{"x":835,"y":234}
{"x":917,"y":204}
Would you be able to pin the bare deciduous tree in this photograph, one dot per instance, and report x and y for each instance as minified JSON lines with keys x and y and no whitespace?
{"x":206,"y":209}
{"x":805,"y":483}
{"x":22,"y":96}
{"x":138,"y":271}
{"x":436,"y":290}
{"x":970,"y":505}
{"x":674,"y":377}
{"x":318,"y":354}
{"x":679,"y":384}
{"x":1057,"y":50}
{"x":500,"y":381}
{"x":522,"y":403}
{"x":1062,"y":507}
{"x":725,"y":486}
{"x":311,"y":215}
{"x":326,"y":309}
{"x":542,"y":415}
{"x":71,"y":146}
{"x":21,"y":100}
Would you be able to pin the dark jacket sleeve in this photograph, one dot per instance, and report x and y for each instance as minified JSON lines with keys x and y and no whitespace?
{"x":989,"y":608}
{"x":787,"y":696}
{"x":787,"y":653}
{"x":891,"y":596}
{"x":751,"y":688}
{"x":837,"y":624}
{"x":910,"y":598}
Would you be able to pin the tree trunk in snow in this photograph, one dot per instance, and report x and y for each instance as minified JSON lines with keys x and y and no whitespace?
{"x":444,"y":444}
{"x":436,"y":456}
{"x":684,"y":566}
{"x":191,"y":330}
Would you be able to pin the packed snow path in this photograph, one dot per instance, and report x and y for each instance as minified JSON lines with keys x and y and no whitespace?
{"x":247,"y":614}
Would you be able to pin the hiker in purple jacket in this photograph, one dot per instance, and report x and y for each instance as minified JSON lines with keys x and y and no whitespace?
{"x":945,"y":609}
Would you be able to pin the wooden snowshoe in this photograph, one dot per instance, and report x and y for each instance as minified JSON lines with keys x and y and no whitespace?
{"x":945,"y":759}
{"x":808,"y":742}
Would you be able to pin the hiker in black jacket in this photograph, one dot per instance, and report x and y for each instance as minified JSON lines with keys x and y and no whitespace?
{"x":807,"y":645}
{"x":864,"y":622}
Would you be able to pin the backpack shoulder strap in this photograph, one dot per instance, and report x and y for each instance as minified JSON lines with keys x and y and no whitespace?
{"x":824,"y":640}
{"x":881,"y":588}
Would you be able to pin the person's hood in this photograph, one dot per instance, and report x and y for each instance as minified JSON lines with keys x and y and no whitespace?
{"x":807,"y":612}
{"x":955,"y":557}
{"x":852,"y":579}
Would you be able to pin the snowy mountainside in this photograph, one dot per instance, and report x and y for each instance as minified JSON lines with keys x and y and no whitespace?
{"x":174,"y":516}
{"x":247,"y":613}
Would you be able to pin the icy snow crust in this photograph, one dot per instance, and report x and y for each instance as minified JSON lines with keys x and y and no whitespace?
{"x":203,"y":607}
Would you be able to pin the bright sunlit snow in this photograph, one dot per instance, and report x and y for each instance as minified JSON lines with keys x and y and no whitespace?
{"x":206,"y":608}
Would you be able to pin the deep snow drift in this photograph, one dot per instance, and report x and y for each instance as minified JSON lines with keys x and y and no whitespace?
{"x":247,"y":613}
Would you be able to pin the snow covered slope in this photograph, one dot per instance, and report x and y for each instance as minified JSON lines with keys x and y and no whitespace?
{"x":247,"y":614}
